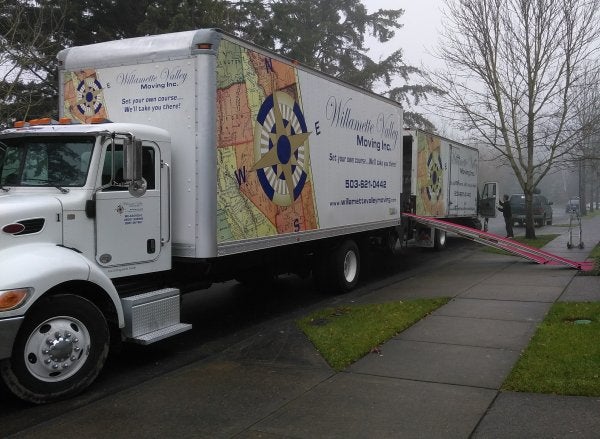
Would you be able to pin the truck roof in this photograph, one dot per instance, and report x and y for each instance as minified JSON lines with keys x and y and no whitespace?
{"x":157,"y":134}
{"x":410,"y":131}
{"x":141,"y":49}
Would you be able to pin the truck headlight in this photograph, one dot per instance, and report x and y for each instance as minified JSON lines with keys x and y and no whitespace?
{"x":11,"y":299}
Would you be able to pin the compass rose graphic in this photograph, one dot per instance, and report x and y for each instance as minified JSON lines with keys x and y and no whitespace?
{"x":279,"y":148}
{"x":89,"y":97}
{"x":435,"y":169}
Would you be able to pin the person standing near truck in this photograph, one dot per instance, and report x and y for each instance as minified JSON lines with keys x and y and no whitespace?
{"x":507,"y":213}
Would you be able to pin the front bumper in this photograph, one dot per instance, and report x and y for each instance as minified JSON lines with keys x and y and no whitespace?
{"x":8,"y":332}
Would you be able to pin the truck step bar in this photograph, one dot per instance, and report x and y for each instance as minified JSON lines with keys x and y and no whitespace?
{"x":161,"y":334}
{"x":509,"y":245}
{"x":152,"y":316}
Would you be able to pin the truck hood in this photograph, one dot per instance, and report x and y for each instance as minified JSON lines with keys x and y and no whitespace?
{"x":33,"y":218}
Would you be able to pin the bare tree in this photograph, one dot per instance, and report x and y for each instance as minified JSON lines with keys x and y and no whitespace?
{"x":513,"y":67}
{"x":585,"y":156}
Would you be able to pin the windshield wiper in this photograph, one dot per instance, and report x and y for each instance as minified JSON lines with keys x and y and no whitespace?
{"x":50,"y":183}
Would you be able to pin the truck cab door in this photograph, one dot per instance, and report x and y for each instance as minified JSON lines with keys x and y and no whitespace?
{"x":128,"y":227}
{"x":488,"y":200}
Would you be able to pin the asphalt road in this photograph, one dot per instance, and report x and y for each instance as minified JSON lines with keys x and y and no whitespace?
{"x":223,"y":316}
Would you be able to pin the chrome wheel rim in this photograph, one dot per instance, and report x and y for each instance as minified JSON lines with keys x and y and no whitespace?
{"x":57,"y":349}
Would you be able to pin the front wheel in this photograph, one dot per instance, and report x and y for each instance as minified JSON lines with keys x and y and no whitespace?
{"x":59,"y":351}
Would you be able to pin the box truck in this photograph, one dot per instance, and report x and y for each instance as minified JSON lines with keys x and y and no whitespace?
{"x":439,"y":180}
{"x":179,"y":160}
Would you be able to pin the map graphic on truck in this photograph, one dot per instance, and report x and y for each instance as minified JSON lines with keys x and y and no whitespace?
{"x":430,"y":177}
{"x":263,"y":140}
{"x":84,"y":97}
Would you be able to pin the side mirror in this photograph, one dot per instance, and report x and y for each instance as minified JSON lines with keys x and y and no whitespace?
{"x":132,"y":160}
{"x":132,"y":166}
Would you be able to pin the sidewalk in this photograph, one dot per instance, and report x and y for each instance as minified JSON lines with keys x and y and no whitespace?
{"x":438,"y":379}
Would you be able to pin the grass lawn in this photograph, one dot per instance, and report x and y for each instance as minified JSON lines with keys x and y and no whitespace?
{"x":538,"y":242}
{"x":344,"y":335}
{"x":564,"y":354}
{"x":595,"y":252}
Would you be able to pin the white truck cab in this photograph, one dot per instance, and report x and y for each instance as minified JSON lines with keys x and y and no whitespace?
{"x":73,"y":217}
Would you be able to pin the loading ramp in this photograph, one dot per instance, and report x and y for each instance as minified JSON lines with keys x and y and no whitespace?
{"x":509,"y":245}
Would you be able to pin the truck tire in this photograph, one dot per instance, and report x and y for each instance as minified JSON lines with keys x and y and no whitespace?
{"x":439,"y":242}
{"x":346,"y":266}
{"x":59,"y":350}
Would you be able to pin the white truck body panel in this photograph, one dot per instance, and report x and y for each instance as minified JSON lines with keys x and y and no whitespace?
{"x":232,"y":179}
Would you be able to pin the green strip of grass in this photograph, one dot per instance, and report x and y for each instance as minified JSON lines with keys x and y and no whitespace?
{"x":595,"y":252}
{"x":564,"y":355}
{"x":345,"y":334}
{"x":595,"y":255}
{"x":538,"y":242}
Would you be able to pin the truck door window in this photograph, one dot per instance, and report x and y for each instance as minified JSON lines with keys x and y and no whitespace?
{"x":107,"y":168}
{"x":148,"y":167}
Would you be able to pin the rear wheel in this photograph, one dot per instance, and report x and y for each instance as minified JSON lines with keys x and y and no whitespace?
{"x":337,"y":270}
{"x":59,"y":351}
{"x":346,"y":266}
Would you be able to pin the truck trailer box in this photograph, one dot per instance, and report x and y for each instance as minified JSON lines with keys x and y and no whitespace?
{"x":441,"y":175}
{"x":265,"y":152}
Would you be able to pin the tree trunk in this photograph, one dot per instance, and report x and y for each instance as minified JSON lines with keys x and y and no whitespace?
{"x":582,"y":187}
{"x":529,"y":222}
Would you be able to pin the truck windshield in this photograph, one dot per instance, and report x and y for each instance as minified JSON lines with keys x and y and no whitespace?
{"x":45,"y":161}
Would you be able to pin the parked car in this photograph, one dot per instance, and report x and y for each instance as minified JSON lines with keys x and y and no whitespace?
{"x":572,"y":206}
{"x":542,"y":209}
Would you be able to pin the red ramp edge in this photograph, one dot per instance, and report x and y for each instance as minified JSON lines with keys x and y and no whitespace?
{"x":531,"y":253}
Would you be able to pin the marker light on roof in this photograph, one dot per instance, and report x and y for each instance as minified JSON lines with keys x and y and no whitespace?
{"x":98,"y":120}
{"x":41,"y":121}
